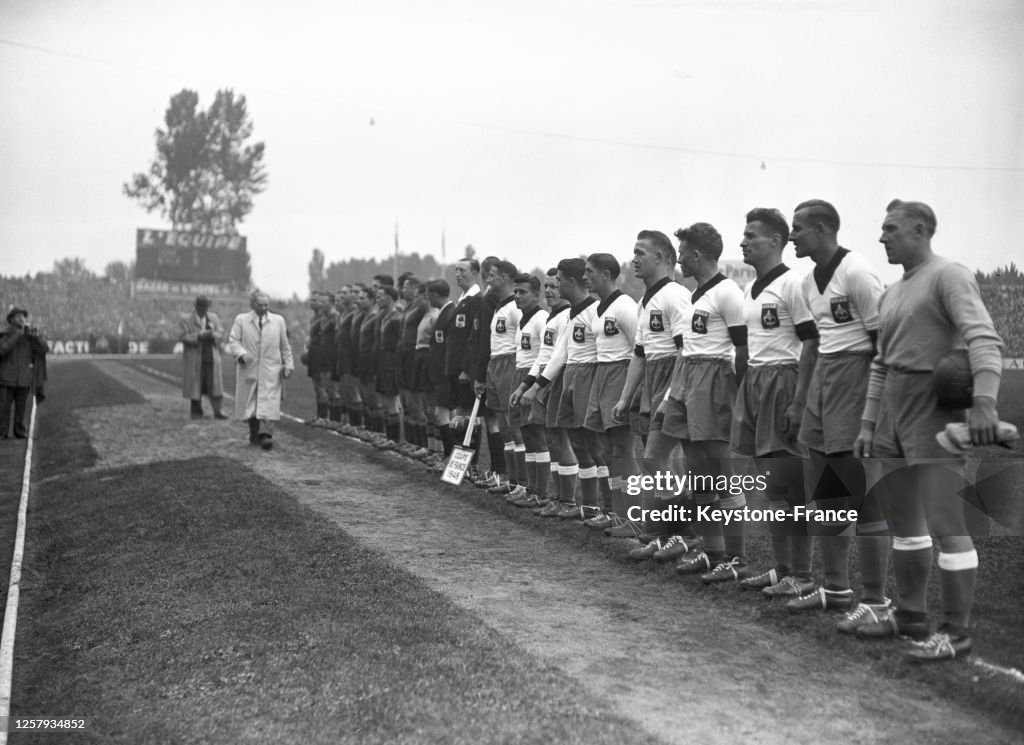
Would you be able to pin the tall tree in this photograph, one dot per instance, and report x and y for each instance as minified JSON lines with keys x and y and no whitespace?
{"x":204,"y":175}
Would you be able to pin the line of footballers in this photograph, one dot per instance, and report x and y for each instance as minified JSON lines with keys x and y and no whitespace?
{"x":822,"y":380}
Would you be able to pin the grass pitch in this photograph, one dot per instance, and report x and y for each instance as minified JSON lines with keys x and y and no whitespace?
{"x":195,"y":602}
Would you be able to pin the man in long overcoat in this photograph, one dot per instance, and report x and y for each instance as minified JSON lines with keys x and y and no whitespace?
{"x":259,"y":343}
{"x":202,"y":334}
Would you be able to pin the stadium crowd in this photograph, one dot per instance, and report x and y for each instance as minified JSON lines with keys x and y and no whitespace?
{"x":104,"y":312}
{"x":1006,"y":304}
{"x":628,"y":416}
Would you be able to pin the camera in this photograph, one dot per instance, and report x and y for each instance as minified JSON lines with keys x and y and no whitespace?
{"x":32,"y":331}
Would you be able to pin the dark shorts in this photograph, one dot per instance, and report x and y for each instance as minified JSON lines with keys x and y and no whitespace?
{"x":349,"y":389}
{"x":609,"y":380}
{"x":404,"y":369}
{"x":500,"y":372}
{"x":577,"y":382}
{"x":835,"y":402}
{"x":909,"y":418}
{"x":368,"y":392}
{"x":442,"y":393}
{"x":462,"y":396}
{"x":764,"y":395}
{"x":420,"y":379}
{"x":701,"y":409}
{"x":657,"y":376}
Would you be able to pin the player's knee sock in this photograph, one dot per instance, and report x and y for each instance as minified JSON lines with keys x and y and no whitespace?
{"x":604,"y":489}
{"x":801,"y":550}
{"x":711,"y":532}
{"x":505,"y":455}
{"x":447,"y":440}
{"x":531,"y":472}
{"x":735,"y":532}
{"x":321,"y":409}
{"x":873,"y":557}
{"x":542,"y":472}
{"x":519,"y":458}
{"x":393,"y":427}
{"x":618,"y":496}
{"x":588,"y":485}
{"x":835,"y":560}
{"x":496,"y":448}
{"x":779,"y":532}
{"x":912,"y":561}
{"x":567,"y":477}
{"x":959,"y":573}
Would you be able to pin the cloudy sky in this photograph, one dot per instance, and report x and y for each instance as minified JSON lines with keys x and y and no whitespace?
{"x":533,"y":130}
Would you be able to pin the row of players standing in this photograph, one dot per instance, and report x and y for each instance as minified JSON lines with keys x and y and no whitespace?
{"x":802,"y":374}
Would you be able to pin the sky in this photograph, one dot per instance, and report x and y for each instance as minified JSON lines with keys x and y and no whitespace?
{"x":531,"y":130}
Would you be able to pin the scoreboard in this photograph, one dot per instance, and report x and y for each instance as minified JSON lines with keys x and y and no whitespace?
{"x":185,"y":257}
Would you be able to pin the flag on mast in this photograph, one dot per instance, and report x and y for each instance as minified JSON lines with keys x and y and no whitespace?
{"x":394,"y":264}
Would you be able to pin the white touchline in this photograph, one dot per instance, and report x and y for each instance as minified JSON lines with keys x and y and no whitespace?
{"x":14,"y":588}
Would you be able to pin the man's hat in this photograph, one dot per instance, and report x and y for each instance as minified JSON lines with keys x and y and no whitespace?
{"x":15,"y":311}
{"x":203,"y":302}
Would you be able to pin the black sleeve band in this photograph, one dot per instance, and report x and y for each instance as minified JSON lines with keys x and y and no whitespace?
{"x":543,"y":382}
{"x":529,"y":381}
{"x":807,"y":330}
{"x":638,"y":350}
{"x":738,"y":334}
{"x":678,"y":339}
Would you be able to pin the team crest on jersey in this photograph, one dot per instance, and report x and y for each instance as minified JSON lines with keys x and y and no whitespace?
{"x":549,"y":337}
{"x":499,"y":326}
{"x":770,"y":316}
{"x":657,"y":321}
{"x":525,"y":342}
{"x":610,"y":329}
{"x":579,"y":333}
{"x":460,"y":321}
{"x":476,"y":324}
{"x":439,"y":336}
{"x":841,"y":309}
{"x":699,"y":324}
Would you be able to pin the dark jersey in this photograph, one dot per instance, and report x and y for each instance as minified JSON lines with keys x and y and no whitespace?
{"x":457,"y":357}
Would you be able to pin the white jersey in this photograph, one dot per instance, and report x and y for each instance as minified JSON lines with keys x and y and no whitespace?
{"x":615,"y":327}
{"x":777,"y":317}
{"x":717,"y":312}
{"x":504,"y":327}
{"x":843,"y":298}
{"x":529,"y":337}
{"x":662,"y":318}
{"x":553,"y":330}
{"x":577,"y":345}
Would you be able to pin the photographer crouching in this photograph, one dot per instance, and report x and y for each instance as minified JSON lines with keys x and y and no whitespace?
{"x":22,"y":370}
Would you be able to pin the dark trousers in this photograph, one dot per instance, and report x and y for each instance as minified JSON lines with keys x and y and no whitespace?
{"x":260,"y":429}
{"x":206,"y":389}
{"x":19,"y":398}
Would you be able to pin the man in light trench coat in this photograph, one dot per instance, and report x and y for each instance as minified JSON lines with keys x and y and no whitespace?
{"x":259,"y":343}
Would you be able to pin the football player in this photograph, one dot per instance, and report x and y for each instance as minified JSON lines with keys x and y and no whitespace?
{"x":934,"y":308}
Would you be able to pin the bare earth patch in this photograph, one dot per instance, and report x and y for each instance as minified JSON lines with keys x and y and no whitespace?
{"x":668,"y":660}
